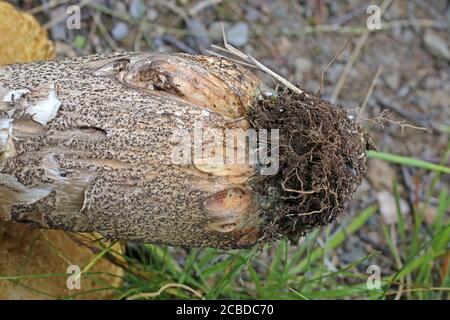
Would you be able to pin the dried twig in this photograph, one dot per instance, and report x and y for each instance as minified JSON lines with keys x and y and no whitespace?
{"x":330,"y":63}
{"x":360,"y":110}
{"x":46,"y":6}
{"x":202,"y":5}
{"x":348,"y":67}
{"x":359,"y":45}
{"x":111,"y":42}
{"x":359,"y":30}
{"x":255,"y":63}
{"x":413,"y":116}
{"x":162,"y":289}
{"x":381,"y":119}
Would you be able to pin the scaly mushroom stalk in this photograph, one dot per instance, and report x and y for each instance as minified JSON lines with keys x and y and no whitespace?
{"x":109,"y":144}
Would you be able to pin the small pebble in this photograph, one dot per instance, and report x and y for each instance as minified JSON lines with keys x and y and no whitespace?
{"x":137,"y":9}
{"x":215,"y":29}
{"x":404,"y":91}
{"x":120,"y":30}
{"x":238,"y":34}
{"x":252,"y":14}
{"x":393,"y":80}
{"x":334,"y":72}
{"x":151,"y":15}
{"x":302,"y":66}
{"x":199,"y":32}
{"x":436,"y":45}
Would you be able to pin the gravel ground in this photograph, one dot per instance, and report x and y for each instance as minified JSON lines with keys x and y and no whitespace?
{"x":407,"y":63}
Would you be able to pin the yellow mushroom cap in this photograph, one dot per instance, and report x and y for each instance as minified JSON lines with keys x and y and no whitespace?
{"x":22,"y":39}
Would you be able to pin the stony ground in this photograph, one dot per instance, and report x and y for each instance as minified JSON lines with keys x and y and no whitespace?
{"x":407,"y":63}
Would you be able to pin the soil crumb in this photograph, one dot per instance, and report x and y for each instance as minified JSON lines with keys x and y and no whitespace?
{"x":322,"y":157}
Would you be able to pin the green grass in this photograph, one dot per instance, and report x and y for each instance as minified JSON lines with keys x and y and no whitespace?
{"x":417,"y":252}
{"x":414,"y":262}
{"x":407,"y":161}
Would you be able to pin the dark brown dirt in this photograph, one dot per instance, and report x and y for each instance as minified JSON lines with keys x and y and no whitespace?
{"x":321,"y":162}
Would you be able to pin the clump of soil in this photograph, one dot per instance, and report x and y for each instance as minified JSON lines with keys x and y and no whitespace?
{"x":321,"y":162}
